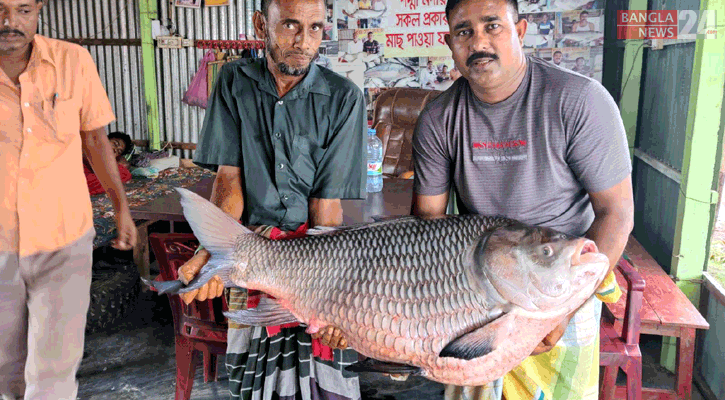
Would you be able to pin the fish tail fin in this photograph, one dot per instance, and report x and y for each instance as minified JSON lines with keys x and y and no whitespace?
{"x":163,"y":287}
{"x":217,"y":231}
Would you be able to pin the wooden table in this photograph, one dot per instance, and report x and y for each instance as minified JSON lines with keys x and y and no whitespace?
{"x":666,"y":311}
{"x":395,"y":199}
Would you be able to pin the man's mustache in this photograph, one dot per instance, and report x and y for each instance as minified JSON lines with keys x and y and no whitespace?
{"x":479,"y":55}
{"x":11,"y":31}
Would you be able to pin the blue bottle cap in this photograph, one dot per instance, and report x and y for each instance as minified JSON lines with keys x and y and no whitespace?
{"x":371,"y":131}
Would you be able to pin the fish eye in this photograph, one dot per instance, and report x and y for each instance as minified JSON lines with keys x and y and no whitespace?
{"x":547,"y":251}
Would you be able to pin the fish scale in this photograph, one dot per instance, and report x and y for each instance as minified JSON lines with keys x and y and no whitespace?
{"x":378,"y":280}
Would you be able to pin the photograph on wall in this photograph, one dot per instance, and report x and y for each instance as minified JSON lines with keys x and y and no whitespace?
{"x":213,"y":3}
{"x":541,"y":30}
{"x":437,"y":73}
{"x":583,"y":28}
{"x":533,"y":6}
{"x":361,"y":45}
{"x":393,"y":72}
{"x":566,"y":5}
{"x":329,"y":32}
{"x":596,"y":56}
{"x":361,"y":14}
{"x":188,"y":3}
{"x":577,"y":59}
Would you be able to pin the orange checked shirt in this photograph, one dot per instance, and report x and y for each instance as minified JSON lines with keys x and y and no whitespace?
{"x":45,"y":203}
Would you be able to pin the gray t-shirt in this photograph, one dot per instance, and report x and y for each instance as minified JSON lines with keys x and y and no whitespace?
{"x":532,"y":157}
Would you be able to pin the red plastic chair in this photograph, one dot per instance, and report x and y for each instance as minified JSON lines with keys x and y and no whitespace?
{"x":200,"y":326}
{"x":619,"y":348}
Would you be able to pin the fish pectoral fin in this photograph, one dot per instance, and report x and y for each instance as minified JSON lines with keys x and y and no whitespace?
{"x":267,"y":313}
{"x":481,"y":341}
{"x":373,"y":365}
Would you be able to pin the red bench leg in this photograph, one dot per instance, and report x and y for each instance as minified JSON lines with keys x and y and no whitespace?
{"x":634,"y":379}
{"x":609,"y":383}
{"x":210,"y":366}
{"x":685,"y":361}
{"x":185,"y":368}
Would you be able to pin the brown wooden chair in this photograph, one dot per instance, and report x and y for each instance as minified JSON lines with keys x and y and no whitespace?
{"x":395,"y":114}
{"x":619,"y":345}
{"x":199,"y":326}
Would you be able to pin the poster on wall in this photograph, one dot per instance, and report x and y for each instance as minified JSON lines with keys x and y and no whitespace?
{"x":329,"y":31}
{"x":188,"y":3}
{"x":577,"y":59}
{"x":360,"y":14}
{"x":416,"y":28}
{"x":437,"y":73}
{"x":365,"y":45}
{"x":541,"y":29}
{"x":581,"y":28}
{"x":389,"y":43}
{"x":565,"y":5}
{"x":571,"y":39}
{"x":393,"y":72}
{"x":533,"y":6}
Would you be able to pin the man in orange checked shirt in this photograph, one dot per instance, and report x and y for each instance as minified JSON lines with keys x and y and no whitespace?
{"x":53,"y":109}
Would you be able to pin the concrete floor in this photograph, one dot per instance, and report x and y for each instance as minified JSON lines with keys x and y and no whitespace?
{"x":136,"y":361}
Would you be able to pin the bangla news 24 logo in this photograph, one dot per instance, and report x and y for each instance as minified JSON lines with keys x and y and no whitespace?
{"x":666,"y":24}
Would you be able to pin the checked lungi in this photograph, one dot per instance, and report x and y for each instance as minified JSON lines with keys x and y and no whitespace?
{"x":284,"y":363}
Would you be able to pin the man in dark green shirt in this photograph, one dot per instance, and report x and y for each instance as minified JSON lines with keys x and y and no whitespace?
{"x":305,"y":144}
{"x":286,"y":138}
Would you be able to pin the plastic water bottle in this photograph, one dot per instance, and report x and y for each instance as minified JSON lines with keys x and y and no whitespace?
{"x":375,"y":163}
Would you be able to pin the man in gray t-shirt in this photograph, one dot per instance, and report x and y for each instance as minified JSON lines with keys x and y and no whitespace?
{"x":522,"y":138}
{"x":534,"y":156}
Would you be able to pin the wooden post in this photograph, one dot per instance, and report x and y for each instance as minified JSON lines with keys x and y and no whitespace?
{"x":149,"y":12}
{"x":700,"y":165}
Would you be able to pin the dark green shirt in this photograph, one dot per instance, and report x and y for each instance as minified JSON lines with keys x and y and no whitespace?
{"x":309,"y":143}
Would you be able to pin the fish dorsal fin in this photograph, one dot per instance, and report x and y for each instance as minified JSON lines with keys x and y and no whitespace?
{"x":481,"y":341}
{"x":267,"y":313}
{"x":373,"y":365}
{"x":379,"y":221}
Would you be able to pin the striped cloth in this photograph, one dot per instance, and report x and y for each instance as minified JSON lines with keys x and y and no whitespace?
{"x":283,"y":366}
{"x":569,"y":371}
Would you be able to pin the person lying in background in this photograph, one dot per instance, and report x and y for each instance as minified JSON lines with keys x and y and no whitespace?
{"x":122,"y":145}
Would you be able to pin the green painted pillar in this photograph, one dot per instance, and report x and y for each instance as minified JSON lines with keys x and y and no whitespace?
{"x":632,"y":76}
{"x":699,"y":167}
{"x":149,"y":12}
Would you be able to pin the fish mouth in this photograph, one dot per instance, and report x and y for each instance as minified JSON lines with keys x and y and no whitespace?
{"x":586,"y":252}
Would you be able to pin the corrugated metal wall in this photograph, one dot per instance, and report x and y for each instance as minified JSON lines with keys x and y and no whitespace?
{"x":176,"y":67}
{"x":120,"y":67}
{"x":664,"y":102}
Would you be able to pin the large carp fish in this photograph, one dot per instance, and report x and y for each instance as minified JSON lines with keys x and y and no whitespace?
{"x":460,"y":300}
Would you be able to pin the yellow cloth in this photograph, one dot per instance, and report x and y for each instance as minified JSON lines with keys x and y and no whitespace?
{"x":569,"y":371}
{"x":609,"y":291}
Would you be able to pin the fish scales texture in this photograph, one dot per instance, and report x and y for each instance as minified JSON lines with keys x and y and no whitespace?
{"x":396,"y":287}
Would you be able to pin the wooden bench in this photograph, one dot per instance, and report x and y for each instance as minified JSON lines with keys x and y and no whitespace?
{"x":666,"y":311}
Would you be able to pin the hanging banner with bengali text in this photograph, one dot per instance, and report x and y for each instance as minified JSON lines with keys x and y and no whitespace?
{"x":416,"y":28}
